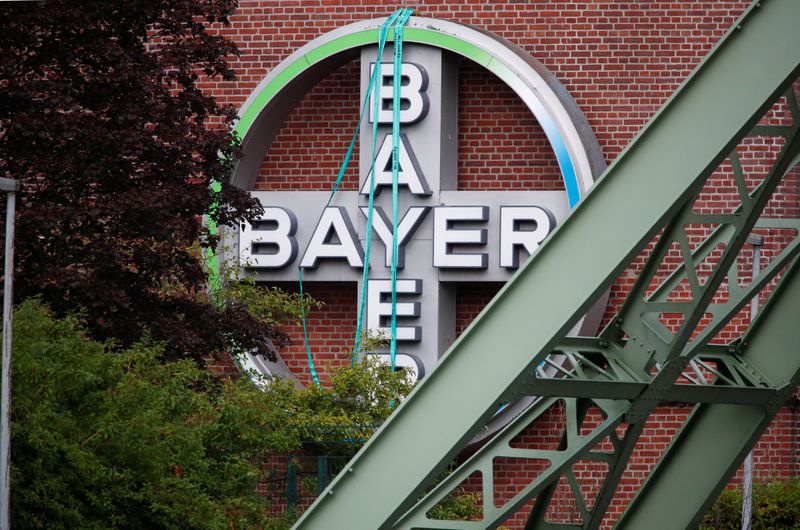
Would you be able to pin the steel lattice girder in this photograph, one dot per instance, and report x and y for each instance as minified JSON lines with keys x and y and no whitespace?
{"x":644,"y":191}
{"x":717,"y":436}
{"x":762,"y":401}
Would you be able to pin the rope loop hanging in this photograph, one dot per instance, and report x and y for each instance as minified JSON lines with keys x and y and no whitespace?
{"x":399,"y":18}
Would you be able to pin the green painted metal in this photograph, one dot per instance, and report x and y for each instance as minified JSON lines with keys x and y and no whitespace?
{"x":737,"y":382}
{"x":291,"y":485}
{"x":560,"y":461}
{"x":637,"y":362}
{"x":323,"y":476}
{"x":648,"y":343}
{"x":717,"y":437}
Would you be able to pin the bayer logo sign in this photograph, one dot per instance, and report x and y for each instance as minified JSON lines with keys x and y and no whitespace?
{"x":446,"y":236}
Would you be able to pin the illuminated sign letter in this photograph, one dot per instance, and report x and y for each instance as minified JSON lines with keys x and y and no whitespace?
{"x":405,"y":229}
{"x":334,"y":237}
{"x":379,"y":309}
{"x":413,"y":99}
{"x":513,"y":232}
{"x":268,"y":242}
{"x":409,"y":174}
{"x":445,"y":236}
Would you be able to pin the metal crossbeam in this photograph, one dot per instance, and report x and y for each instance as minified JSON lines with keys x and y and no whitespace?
{"x":717,"y":437}
{"x":650,"y":346}
{"x":677,"y":393}
{"x":637,"y":362}
{"x":755,"y":390}
{"x":560,"y":461}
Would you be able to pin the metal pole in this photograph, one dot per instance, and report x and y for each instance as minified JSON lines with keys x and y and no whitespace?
{"x":10,"y":187}
{"x":747,"y":481}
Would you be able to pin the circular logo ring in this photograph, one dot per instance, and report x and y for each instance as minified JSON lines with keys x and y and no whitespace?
{"x":575,"y":147}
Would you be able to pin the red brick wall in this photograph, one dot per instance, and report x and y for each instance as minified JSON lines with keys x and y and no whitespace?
{"x":620,"y":60}
{"x":331,"y":329}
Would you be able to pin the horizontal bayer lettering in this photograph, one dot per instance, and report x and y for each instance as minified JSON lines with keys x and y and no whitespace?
{"x":459,"y":241}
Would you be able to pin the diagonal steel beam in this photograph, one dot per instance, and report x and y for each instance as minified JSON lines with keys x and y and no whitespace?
{"x":645,"y":350}
{"x":639,"y":317}
{"x":758,"y":398}
{"x":678,"y":352}
{"x":615,"y":472}
{"x":641,"y":191}
{"x":616,"y":462}
{"x":738,"y":382}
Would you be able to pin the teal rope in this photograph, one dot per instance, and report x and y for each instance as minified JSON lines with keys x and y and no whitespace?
{"x":384,"y":30}
{"x":381,"y":41}
{"x":398,"y":63}
{"x":311,"y":367}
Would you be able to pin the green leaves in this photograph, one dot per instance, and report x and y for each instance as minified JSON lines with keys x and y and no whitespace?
{"x":775,"y":505}
{"x":119,"y":440}
{"x":108,"y":438}
{"x":270,"y":306}
{"x":338,"y":416}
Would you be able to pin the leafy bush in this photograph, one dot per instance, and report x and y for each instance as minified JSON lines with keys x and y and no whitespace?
{"x":103,"y":438}
{"x":337,"y":417}
{"x":458,"y":506}
{"x":775,"y":505}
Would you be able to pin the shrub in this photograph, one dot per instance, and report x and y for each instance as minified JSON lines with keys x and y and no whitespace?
{"x":775,"y":505}
{"x":103,"y":438}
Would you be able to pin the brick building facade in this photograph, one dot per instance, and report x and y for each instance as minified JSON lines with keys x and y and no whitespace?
{"x":620,"y":60}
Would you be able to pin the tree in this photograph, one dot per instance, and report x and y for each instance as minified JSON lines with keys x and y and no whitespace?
{"x":121,"y":440}
{"x":103,"y":122}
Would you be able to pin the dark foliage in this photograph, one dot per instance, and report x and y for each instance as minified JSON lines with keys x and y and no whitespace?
{"x":103,"y":122}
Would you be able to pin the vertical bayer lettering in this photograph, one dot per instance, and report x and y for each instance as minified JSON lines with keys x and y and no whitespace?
{"x":379,"y":309}
{"x":409,"y":174}
{"x":413,"y":96}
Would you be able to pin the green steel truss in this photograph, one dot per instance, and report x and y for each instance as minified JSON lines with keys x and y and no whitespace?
{"x":606,"y":387}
